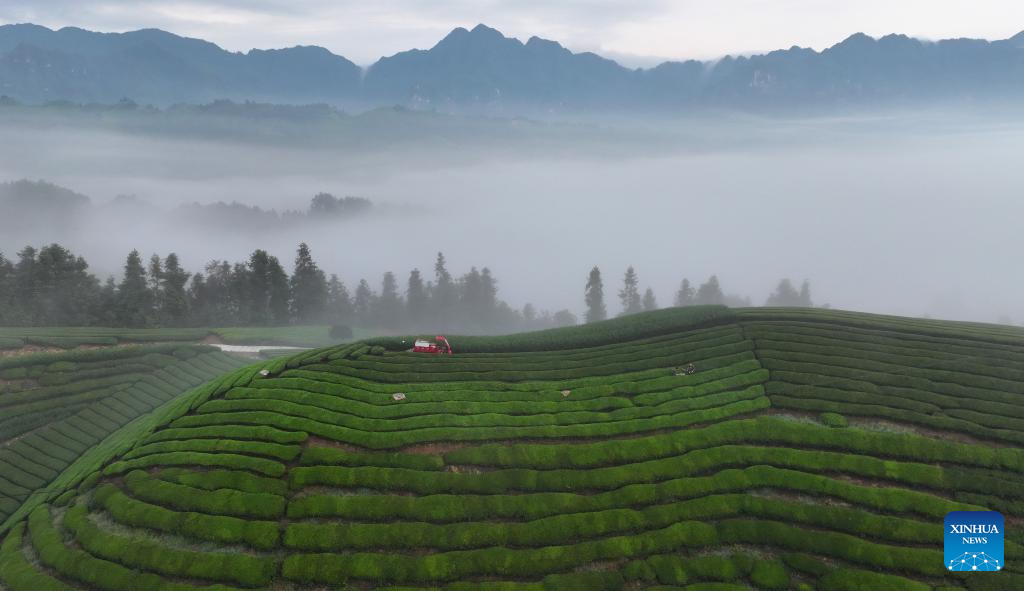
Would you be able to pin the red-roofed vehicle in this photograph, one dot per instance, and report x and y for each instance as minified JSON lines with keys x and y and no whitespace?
{"x":439,"y":346}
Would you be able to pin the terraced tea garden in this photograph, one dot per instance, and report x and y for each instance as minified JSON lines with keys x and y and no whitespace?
{"x":56,"y":407}
{"x":810,"y":449}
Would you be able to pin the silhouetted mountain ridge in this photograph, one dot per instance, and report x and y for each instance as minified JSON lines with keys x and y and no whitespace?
{"x":482,"y":69}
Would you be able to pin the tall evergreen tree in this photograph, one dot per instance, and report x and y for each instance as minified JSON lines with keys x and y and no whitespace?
{"x":155,"y":282}
{"x":416,"y":299}
{"x":267,"y":294}
{"x":630,"y":294}
{"x":784,"y":295}
{"x":339,"y":302}
{"x":805,"y":295}
{"x":593,"y":295}
{"x":173,"y":280}
{"x":685,"y":296}
{"x":389,"y":304}
{"x":488,"y":294}
{"x":709,"y":293}
{"x":309,"y":288}
{"x":9,"y":314}
{"x":363,"y":303}
{"x":135,"y":300}
{"x":649,"y":302}
{"x":445,"y":294}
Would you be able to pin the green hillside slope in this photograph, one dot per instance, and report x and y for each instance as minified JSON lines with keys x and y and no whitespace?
{"x":809,"y":450}
{"x":55,"y":407}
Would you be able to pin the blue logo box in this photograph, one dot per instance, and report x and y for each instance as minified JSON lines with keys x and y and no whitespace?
{"x":974,"y":541}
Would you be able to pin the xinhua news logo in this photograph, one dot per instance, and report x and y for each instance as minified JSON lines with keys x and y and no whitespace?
{"x":974,"y":541}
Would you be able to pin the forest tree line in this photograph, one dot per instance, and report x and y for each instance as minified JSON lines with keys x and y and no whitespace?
{"x":51,"y":286}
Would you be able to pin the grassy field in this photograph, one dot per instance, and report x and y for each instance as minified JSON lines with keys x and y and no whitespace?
{"x":69,"y":338}
{"x":811,"y":450}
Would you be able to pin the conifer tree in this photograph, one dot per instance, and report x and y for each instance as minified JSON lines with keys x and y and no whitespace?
{"x":630,"y":294}
{"x":339,"y":302}
{"x":308,"y":288}
{"x":416,"y":299}
{"x":685,"y":295}
{"x":135,"y":300}
{"x":363,"y":303}
{"x":649,"y":301}
{"x":710,"y":293}
{"x":593,"y":295}
{"x":805,"y":295}
{"x":174,"y":300}
{"x":784,"y":295}
{"x":389,"y":304}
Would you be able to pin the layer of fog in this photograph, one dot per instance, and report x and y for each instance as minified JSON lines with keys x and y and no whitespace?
{"x":915,"y":221}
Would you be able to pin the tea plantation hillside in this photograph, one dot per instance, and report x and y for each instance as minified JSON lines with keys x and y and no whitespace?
{"x":55,"y":407}
{"x":810,"y":449}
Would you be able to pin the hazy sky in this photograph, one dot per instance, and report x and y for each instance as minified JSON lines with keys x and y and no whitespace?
{"x":634,"y":31}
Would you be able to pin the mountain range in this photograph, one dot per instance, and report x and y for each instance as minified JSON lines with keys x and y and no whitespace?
{"x":483,"y":70}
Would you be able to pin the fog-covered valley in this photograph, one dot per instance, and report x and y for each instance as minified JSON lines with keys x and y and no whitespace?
{"x":903,"y":214}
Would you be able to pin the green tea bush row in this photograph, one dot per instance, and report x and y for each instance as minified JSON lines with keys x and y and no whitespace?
{"x":631,"y":382}
{"x":222,"y":460}
{"x":81,"y":566}
{"x":502,"y":562}
{"x":617,"y":330}
{"x":329,"y":456}
{"x":381,"y":440}
{"x":761,"y":430}
{"x":877,"y":410}
{"x":447,"y":508}
{"x":413,"y":408}
{"x":136,"y":552}
{"x":215,"y":528}
{"x":984,"y":333}
{"x":17,"y":573}
{"x":981,"y":387}
{"x":244,"y":432}
{"x":950,"y":353}
{"x":181,"y":497}
{"x":848,"y":579}
{"x":634,"y":415}
{"x":217,"y":479}
{"x":834,"y":544}
{"x":703,"y":357}
{"x":665,"y":340}
{"x":573,"y":527}
{"x":628,"y":355}
{"x":919,"y":363}
{"x":923,"y":400}
{"x":284,"y":453}
{"x":693,"y":463}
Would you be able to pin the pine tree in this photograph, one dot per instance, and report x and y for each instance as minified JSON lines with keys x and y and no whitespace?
{"x":174,"y":305}
{"x":649,"y":301}
{"x":155,"y":283}
{"x":784,"y":295}
{"x":709,"y":293}
{"x":805,"y":295}
{"x":339,"y":302}
{"x":444,"y":297}
{"x":9,"y":313}
{"x":363,"y":303}
{"x":135,"y":300}
{"x":685,"y":295}
{"x":308,"y":287}
{"x":488,"y":296}
{"x":593,"y":295}
{"x":416,"y":299}
{"x":630,"y":294}
{"x":389,"y":304}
